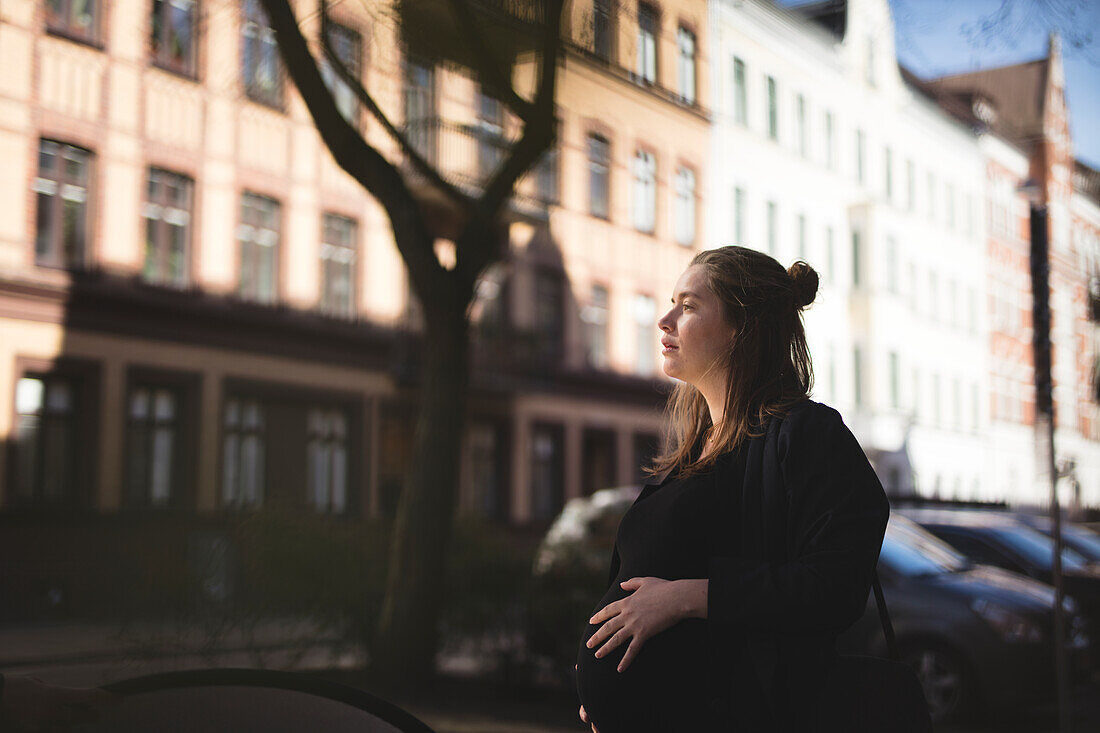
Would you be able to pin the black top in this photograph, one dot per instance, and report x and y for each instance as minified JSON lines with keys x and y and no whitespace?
{"x":670,"y":532}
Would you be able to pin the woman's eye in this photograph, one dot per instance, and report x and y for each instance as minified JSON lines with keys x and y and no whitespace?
{"x":686,"y":307}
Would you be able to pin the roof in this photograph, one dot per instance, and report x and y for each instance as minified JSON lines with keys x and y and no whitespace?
{"x":1086,"y":180}
{"x":830,"y":14}
{"x":961,"y":517}
{"x":1007,"y":100}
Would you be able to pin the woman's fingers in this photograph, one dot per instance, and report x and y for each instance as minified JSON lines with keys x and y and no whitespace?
{"x":628,"y":656}
{"x":608,"y":629}
{"x":611,"y":643}
{"x":584,"y":715}
{"x":611,"y":609}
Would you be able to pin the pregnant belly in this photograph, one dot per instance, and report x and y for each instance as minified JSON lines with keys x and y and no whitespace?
{"x":670,"y":671}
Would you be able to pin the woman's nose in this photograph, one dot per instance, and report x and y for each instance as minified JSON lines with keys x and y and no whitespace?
{"x":665,"y":323}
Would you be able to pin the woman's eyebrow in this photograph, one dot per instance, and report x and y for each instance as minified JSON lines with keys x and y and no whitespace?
{"x":682,"y":295}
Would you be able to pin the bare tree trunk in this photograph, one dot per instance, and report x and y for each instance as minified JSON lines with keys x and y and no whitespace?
{"x":407,"y":634}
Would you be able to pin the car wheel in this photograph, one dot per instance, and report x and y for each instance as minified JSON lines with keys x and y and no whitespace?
{"x":945,"y":678}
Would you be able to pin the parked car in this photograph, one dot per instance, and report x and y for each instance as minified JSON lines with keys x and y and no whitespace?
{"x":1082,"y":540}
{"x":1002,"y":540}
{"x":978,"y":636}
{"x":974,"y":634}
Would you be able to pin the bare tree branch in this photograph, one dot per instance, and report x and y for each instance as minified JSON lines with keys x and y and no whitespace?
{"x":488,"y":67}
{"x":365,"y":164}
{"x":475,"y":250}
{"x":414,"y":156}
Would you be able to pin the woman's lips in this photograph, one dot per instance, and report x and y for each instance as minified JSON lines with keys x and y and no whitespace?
{"x":670,"y":349}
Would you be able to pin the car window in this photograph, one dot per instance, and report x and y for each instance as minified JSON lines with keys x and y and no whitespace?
{"x":1037,"y":548}
{"x":1084,"y":541}
{"x":974,"y":548}
{"x":912,"y":552}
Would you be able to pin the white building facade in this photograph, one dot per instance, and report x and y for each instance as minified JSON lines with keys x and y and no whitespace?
{"x":822,"y":151}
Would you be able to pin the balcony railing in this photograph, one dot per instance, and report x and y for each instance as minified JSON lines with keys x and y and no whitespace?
{"x":430,"y":29}
{"x":467,"y":156}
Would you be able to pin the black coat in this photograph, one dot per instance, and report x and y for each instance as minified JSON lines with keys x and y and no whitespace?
{"x":812,"y":518}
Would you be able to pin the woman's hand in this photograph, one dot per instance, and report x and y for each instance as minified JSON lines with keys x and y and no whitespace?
{"x":654,"y":605}
{"x":584,"y":718}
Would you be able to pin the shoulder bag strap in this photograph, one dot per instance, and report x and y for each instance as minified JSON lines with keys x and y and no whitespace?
{"x":884,"y":617}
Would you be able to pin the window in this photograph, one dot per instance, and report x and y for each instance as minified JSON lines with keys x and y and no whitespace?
{"x":685,"y":67}
{"x":243,"y":461}
{"x":489,"y":500}
{"x":420,"y":117}
{"x":802,"y":236}
{"x":952,"y":302}
{"x":739,"y":216}
{"x":803,"y":140}
{"x":892,"y":265}
{"x":832,"y":371}
{"x":889,"y":174}
{"x":347,"y":45}
{"x":77,"y":19}
{"x":601,"y":29}
{"x":594,"y":316}
{"x":547,"y":494}
{"x":857,"y":375}
{"x":546,"y":176}
{"x":648,"y":23}
{"x":830,"y":143}
{"x":645,"y":192}
{"x":549,"y":315}
{"x":740,"y":93}
{"x":327,"y":460}
{"x":830,"y":269}
{"x":910,"y":185}
{"x":64,"y":177}
{"x":857,"y":256}
{"x":773,"y":226}
{"x":258,"y":235}
{"x":599,"y":167}
{"x":685,"y":206}
{"x":645,"y":319}
{"x":167,"y":214}
{"x":490,"y":134}
{"x":956,"y":399}
{"x":860,"y":156}
{"x":46,"y":439}
{"x":974,"y":406}
{"x":916,"y":393}
{"x":931,"y":196}
{"x":936,"y":414}
{"x":933,"y":296}
{"x":949,"y":200}
{"x":261,"y":68}
{"x":895,"y":381}
{"x":869,"y":62}
{"x":174,"y":35}
{"x":338,"y":258}
{"x":152,"y":456}
{"x":773,"y":109}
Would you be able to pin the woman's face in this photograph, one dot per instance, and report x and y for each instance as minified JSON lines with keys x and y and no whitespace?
{"x":696,"y":333}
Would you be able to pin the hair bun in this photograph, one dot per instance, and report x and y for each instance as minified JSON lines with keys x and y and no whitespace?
{"x":804,"y":283}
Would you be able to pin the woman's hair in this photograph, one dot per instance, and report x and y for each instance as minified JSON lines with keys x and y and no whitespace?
{"x":767,"y":364}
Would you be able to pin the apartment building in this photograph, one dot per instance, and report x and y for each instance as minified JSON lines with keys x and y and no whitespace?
{"x":1020,"y":116}
{"x":831,"y":154}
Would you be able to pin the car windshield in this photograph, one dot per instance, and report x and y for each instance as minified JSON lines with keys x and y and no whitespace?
{"x":1037,"y":548}
{"x":913,"y":552}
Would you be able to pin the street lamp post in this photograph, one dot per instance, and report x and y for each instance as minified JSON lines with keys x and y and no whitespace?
{"x":1044,"y":415}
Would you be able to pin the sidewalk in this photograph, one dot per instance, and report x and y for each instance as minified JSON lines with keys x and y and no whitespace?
{"x":92,"y":654}
{"x":88,"y":653}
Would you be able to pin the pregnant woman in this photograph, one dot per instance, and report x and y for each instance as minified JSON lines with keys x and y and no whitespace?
{"x":735,"y":570}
